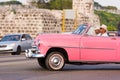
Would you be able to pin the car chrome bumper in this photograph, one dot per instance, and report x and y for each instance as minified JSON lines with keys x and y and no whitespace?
{"x":33,"y":53}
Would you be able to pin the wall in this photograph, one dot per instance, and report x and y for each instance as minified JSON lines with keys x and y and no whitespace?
{"x":26,"y":19}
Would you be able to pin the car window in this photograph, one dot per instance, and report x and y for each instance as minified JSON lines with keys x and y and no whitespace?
{"x":28,"y":37}
{"x":91,"y":31}
{"x":80,"y":29}
{"x":11,"y":38}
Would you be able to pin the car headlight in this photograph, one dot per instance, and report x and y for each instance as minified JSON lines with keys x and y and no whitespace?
{"x":36,"y":43}
{"x":11,"y":45}
{"x":33,"y":44}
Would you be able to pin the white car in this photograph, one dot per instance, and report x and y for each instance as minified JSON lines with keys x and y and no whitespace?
{"x":15,"y":43}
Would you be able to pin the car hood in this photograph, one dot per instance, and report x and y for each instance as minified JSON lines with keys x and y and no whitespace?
{"x":53,"y":36}
{"x":58,"y":39}
{"x":7,"y":42}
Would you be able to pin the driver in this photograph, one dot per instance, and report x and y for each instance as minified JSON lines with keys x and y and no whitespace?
{"x":103,"y":31}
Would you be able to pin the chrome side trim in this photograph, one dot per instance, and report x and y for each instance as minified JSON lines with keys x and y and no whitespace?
{"x":98,"y":48}
{"x":65,"y":46}
{"x":85,"y":47}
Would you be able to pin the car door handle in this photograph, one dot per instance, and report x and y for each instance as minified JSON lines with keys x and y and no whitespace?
{"x":113,"y":38}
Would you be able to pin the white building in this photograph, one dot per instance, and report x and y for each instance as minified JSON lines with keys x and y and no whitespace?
{"x":86,"y":9}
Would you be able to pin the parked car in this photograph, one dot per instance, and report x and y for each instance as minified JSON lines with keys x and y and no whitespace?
{"x":54,"y":50}
{"x":15,"y":43}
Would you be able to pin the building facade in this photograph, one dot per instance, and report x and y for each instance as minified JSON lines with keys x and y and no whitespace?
{"x":26,"y":19}
{"x":85,"y":8}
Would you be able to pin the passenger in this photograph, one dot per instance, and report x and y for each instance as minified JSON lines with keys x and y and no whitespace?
{"x":103,"y":31}
{"x":97,"y":30}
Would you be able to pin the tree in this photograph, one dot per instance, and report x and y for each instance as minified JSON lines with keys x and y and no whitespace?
{"x":111,"y":8}
{"x":96,"y":4}
{"x":53,"y":4}
{"x":109,"y":19}
{"x":10,"y":2}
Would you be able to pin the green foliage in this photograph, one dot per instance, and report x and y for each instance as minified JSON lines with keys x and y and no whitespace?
{"x":54,"y":4}
{"x":10,"y":2}
{"x":109,"y":19}
{"x":61,"y":4}
{"x":97,"y":4}
{"x":111,"y":8}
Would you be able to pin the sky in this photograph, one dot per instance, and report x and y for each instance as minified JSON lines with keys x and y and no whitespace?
{"x":109,"y":3}
{"x":102,"y":2}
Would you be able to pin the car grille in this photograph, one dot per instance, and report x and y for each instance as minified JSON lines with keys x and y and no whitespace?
{"x":2,"y":46}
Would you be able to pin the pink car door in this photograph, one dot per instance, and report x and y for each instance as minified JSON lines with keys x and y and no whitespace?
{"x":96,"y":48}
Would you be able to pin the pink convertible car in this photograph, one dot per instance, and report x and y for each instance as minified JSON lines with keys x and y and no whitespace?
{"x":81,"y":46}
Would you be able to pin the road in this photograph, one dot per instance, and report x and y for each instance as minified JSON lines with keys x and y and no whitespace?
{"x":19,"y":68}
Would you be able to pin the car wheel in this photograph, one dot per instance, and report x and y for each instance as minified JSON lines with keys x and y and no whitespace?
{"x":17,"y":52}
{"x":55,"y":61}
{"x":41,"y":62}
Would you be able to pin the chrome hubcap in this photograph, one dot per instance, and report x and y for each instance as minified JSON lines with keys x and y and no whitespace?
{"x":55,"y":61}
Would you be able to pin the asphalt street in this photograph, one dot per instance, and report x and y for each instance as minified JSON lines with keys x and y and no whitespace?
{"x":20,"y":68}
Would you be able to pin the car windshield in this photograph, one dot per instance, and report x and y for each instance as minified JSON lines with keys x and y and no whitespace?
{"x":80,"y":29}
{"x":11,"y":38}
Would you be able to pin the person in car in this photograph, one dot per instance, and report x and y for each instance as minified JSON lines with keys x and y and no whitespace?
{"x":97,"y":30}
{"x":103,"y":31}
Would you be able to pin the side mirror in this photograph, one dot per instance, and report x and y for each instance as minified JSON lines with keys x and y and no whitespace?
{"x":23,"y":39}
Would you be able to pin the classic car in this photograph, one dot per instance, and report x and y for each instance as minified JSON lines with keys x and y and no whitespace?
{"x":15,"y":43}
{"x":79,"y":47}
